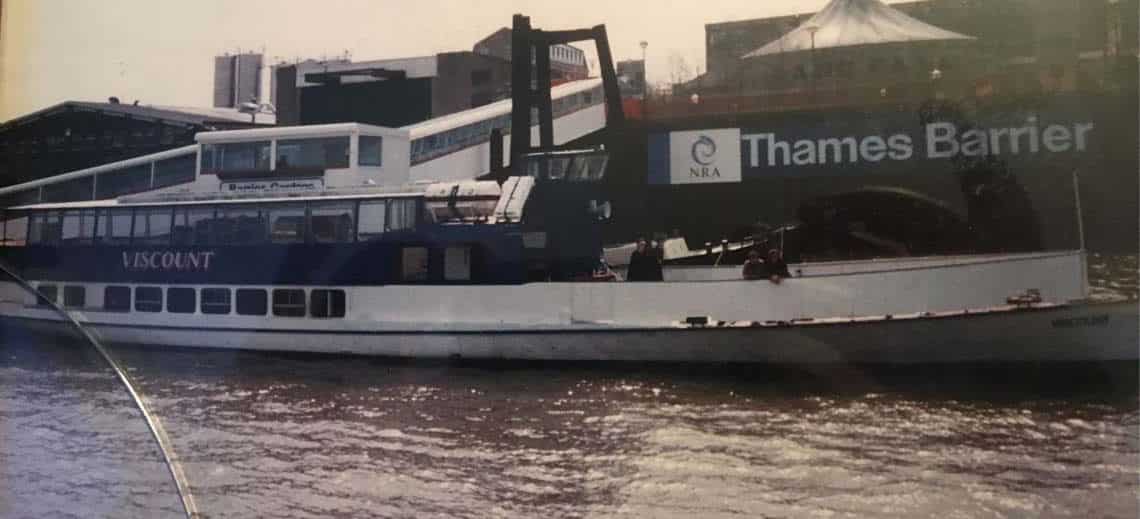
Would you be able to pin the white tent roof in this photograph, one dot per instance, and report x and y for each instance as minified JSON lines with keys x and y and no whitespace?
{"x":845,"y":23}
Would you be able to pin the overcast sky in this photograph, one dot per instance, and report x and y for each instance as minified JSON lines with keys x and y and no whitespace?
{"x":160,"y":51}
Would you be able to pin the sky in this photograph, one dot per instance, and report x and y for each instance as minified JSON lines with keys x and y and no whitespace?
{"x":161,"y":51}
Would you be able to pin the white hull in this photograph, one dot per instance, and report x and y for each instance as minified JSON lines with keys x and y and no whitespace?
{"x":895,"y":313}
{"x":1096,"y":332}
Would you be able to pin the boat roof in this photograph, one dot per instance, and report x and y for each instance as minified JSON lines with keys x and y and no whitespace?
{"x":848,"y":23}
{"x":296,"y":132}
{"x":102,"y":168}
{"x":154,"y":200}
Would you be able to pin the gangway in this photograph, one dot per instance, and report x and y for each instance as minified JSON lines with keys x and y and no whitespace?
{"x":448,"y":148}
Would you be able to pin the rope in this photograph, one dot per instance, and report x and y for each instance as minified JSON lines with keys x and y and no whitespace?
{"x":156,"y":429}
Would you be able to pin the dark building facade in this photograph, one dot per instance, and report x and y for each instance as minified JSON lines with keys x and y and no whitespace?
{"x":391,"y":92}
{"x":75,"y":135}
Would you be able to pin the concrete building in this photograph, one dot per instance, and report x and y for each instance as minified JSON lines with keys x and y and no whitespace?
{"x":1058,"y":46}
{"x":567,"y":62}
{"x":387,"y":92}
{"x":237,"y":79}
{"x":631,"y":77}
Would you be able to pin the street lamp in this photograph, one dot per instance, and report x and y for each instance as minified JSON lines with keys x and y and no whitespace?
{"x":644,"y":72}
{"x":811,"y":29}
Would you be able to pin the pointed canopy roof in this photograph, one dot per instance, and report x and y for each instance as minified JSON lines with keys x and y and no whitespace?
{"x":845,"y":23}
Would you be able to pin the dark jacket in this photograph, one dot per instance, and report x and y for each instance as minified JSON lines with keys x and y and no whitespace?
{"x":777,"y":268}
{"x":644,"y":266}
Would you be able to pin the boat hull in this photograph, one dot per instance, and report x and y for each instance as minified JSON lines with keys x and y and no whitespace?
{"x":1065,"y":333}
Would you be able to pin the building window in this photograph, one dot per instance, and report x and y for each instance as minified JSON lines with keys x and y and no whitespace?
{"x":371,"y":150}
{"x":74,"y":296}
{"x":414,"y":264}
{"x":332,"y":222}
{"x":180,"y":300}
{"x":287,"y":224}
{"x":372,"y":220}
{"x":289,"y":303}
{"x":216,"y":301}
{"x":250,"y":301}
{"x":235,"y":156}
{"x":326,"y":303}
{"x":47,"y":295}
{"x":117,"y":298}
{"x":148,"y":299}
{"x":321,"y":153}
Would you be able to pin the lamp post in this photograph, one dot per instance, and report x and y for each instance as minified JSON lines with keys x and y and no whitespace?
{"x":644,"y":72}
{"x":812,"y":30}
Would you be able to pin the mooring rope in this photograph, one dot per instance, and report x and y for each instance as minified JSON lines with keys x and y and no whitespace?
{"x":152,"y":421}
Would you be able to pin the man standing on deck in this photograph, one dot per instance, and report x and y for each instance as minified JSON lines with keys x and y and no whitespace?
{"x":643,"y":263}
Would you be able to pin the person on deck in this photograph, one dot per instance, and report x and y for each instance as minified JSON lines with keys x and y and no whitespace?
{"x":754,"y":266}
{"x":775,"y":267}
{"x":643,"y":263}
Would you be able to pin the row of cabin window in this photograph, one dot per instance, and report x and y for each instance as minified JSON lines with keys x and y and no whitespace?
{"x":110,"y":184}
{"x":324,"y":222}
{"x":442,"y":143}
{"x":287,"y":302}
{"x":313,"y":153}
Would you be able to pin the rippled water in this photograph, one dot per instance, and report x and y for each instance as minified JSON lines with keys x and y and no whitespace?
{"x":303,"y":436}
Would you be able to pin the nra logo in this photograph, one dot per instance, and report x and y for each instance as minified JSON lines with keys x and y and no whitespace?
{"x":704,"y":156}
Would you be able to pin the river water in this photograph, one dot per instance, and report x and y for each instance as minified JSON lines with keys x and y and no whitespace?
{"x":265,"y":435}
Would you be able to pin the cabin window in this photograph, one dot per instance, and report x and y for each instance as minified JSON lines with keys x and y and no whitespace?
{"x":235,"y":156}
{"x":114,"y":227}
{"x":192,"y":225}
{"x":46,"y":227}
{"x":457,"y":263}
{"x":47,"y":295}
{"x":320,"y":153}
{"x":122,"y":182}
{"x":402,"y":214}
{"x":326,"y":303}
{"x":287,"y":224}
{"x":215,"y":301}
{"x":414,"y":264}
{"x":180,"y":300}
{"x":240,"y":226}
{"x":74,"y":296}
{"x":152,"y":226}
{"x":69,"y":191}
{"x":117,"y":298}
{"x":371,"y":150}
{"x":15,"y":229}
{"x":372,"y":220}
{"x":250,"y":301}
{"x":148,"y":299}
{"x":174,"y":171}
{"x":332,"y":222}
{"x":289,"y":302}
{"x":78,"y":227}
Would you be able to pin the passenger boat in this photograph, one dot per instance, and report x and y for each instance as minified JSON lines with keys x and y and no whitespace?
{"x":475,"y":269}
